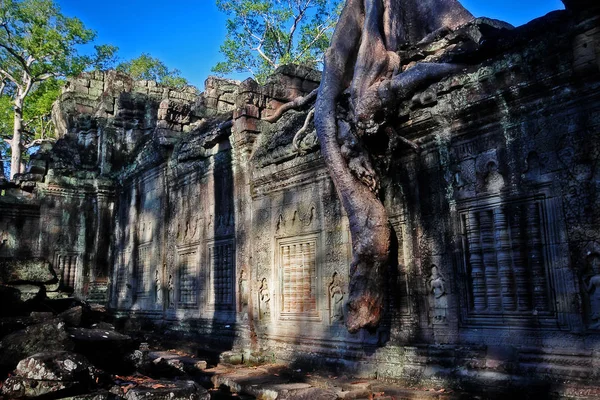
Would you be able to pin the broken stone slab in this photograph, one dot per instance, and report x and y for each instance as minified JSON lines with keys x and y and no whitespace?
{"x":263,"y":385}
{"x":101,"y":395}
{"x":10,"y":298}
{"x":16,"y":387}
{"x":32,"y":270}
{"x":72,"y":316}
{"x":167,"y":390}
{"x":28,"y":292}
{"x":37,"y":317}
{"x":57,"y":366}
{"x":47,"y":336}
{"x":105,"y":348}
{"x":168,"y":360}
{"x":50,"y":372}
{"x":103,"y":325}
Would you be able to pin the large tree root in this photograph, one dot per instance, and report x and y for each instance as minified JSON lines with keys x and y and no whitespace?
{"x":362,"y":56}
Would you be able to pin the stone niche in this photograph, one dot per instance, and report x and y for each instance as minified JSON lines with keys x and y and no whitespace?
{"x":153,"y":203}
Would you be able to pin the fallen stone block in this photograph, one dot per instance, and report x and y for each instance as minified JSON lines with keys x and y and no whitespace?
{"x":102,"y":395}
{"x":167,"y":390}
{"x":172,"y":363}
{"x":50,"y":372}
{"x":29,"y":292}
{"x":72,"y":316}
{"x":33,"y":270}
{"x":105,"y":348}
{"x":47,"y":336}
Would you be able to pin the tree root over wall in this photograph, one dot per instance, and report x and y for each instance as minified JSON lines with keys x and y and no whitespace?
{"x":363,"y":58}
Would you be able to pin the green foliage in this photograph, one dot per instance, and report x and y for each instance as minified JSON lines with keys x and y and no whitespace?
{"x":146,"y":67}
{"x":38,"y":109}
{"x":264,"y":34}
{"x":38,"y":44}
{"x":36,"y":38}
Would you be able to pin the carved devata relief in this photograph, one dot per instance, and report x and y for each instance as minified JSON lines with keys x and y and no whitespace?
{"x":590,"y":277}
{"x":243,"y":294}
{"x":489,"y":178}
{"x":264,"y":299}
{"x":295,"y":220}
{"x":437,"y":292}
{"x":336,"y":299}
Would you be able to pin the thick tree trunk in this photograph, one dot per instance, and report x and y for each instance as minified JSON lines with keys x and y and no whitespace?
{"x":363,"y":56}
{"x":15,"y":143}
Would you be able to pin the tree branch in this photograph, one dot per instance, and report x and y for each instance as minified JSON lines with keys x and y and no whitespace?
{"x":325,"y":26}
{"x":43,"y":77}
{"x":10,"y":77}
{"x":16,"y":55}
{"x":38,"y":142}
{"x":297,"y":20}
{"x":258,"y":48}
{"x":269,"y":27}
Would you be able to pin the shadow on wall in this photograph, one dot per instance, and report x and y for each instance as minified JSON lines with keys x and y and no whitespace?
{"x":222,"y":252}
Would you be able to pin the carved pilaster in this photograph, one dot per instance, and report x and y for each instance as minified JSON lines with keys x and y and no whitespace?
{"x":535,"y":258}
{"x":519,"y":260}
{"x":503,"y":257}
{"x":476,"y":262}
{"x":489,"y":261}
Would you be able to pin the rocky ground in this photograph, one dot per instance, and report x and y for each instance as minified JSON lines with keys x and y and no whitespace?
{"x":77,"y":353}
{"x":53,"y":346}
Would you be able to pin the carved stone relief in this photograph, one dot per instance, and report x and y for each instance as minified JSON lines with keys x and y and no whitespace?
{"x":143,"y":272}
{"x":243,"y":294}
{"x":66,"y":265}
{"x":489,"y":178}
{"x":264,"y":300}
{"x":336,"y":299}
{"x":188,"y":278}
{"x":158,"y":296}
{"x":505,"y":259}
{"x":221,"y":286}
{"x":294,"y":220}
{"x":170,"y":292}
{"x":439,"y":300}
{"x":590,"y":277}
{"x":297,"y":266}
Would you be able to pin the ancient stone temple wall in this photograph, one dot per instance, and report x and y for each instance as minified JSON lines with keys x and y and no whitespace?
{"x":203,"y":218}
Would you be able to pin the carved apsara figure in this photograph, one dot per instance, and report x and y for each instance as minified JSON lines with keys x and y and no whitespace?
{"x":243,"y":294}
{"x":171,"y":292}
{"x":264,"y":299}
{"x":157,"y":287}
{"x":592,"y":287}
{"x":336,"y":299}
{"x":437,"y":287}
{"x":494,"y":181}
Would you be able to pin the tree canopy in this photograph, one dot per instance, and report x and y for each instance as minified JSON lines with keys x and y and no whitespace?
{"x":146,"y":67}
{"x":264,"y":34}
{"x":37,"y":43}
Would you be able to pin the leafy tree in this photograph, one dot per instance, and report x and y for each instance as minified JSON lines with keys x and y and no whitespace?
{"x":264,"y":34}
{"x":146,"y":67}
{"x":37,"y":43}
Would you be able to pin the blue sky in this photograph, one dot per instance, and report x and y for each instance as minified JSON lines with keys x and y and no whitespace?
{"x":186,"y":34}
